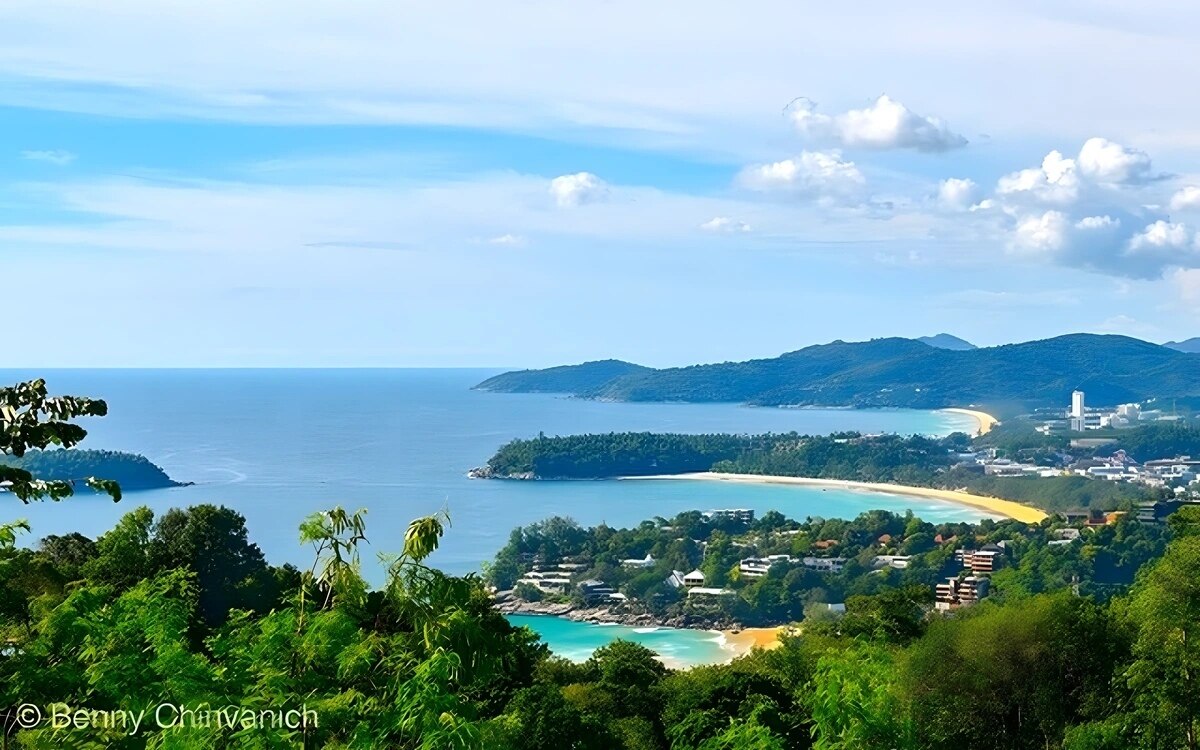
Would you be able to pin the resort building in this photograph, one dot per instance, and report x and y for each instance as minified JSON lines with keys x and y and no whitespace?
{"x":703,"y":591}
{"x":593,"y":591}
{"x":675,"y":580}
{"x":547,"y":582}
{"x":693,"y":579}
{"x":757,"y":567}
{"x":741,"y":515}
{"x":824,"y":564}
{"x":957,"y":593}
{"x":645,"y":562}
{"x":985,"y":560}
{"x":899,"y":562}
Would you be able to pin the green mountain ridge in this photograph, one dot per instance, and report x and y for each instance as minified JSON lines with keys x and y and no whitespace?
{"x":893,"y":372}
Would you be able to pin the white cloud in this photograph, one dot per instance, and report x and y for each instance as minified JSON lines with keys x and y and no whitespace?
{"x":510,"y":240}
{"x":883,"y":124}
{"x":577,"y":189}
{"x":1186,"y":198}
{"x":1106,"y":162}
{"x":1161,"y":235}
{"x":812,"y":173}
{"x":57,"y":157}
{"x":1041,"y":235}
{"x":1055,"y":181}
{"x":724,"y":224}
{"x":957,"y":194}
{"x":1097,"y":222}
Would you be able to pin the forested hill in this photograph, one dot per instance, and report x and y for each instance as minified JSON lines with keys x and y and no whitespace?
{"x":895,"y":372}
{"x":132,"y":472}
{"x":916,"y":461}
{"x":565,"y":379}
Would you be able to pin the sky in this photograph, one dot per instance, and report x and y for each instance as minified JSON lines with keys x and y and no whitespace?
{"x":278,"y":184}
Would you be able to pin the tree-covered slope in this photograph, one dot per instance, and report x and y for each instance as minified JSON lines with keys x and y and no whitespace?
{"x":564,"y":379}
{"x":131,"y":471}
{"x":899,"y":372}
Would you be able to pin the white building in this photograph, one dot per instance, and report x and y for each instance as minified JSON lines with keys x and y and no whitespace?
{"x":757,"y":567}
{"x":693,"y":579}
{"x":645,"y":562}
{"x":1077,"y":407}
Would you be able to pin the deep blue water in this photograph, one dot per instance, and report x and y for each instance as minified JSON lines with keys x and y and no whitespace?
{"x":280,"y":444}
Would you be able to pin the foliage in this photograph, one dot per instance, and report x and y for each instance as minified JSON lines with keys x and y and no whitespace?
{"x":32,"y":419}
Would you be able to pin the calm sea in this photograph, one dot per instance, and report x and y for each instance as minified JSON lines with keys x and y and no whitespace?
{"x":280,"y":444}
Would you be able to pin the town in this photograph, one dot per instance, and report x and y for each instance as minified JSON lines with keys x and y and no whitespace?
{"x":726,"y":567}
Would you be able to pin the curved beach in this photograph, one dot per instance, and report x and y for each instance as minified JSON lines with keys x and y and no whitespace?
{"x":986,"y":421}
{"x":1006,"y":508}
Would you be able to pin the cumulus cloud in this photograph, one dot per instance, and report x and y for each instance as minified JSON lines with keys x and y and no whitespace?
{"x":1161,"y":235}
{"x":883,"y":124}
{"x":725,"y":225}
{"x":1111,"y":163}
{"x":1041,"y":235}
{"x":812,"y":173}
{"x":1186,"y":198}
{"x":957,"y":194}
{"x":1096,"y":210}
{"x":57,"y":157}
{"x":1055,"y":181}
{"x":577,"y":189}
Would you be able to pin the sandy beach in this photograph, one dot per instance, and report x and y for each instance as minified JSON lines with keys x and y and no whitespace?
{"x":1006,"y":508}
{"x":740,"y":642}
{"x":986,"y":421}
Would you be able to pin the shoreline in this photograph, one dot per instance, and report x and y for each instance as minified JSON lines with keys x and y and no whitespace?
{"x":736,"y":640}
{"x":986,"y":421}
{"x":1005,"y":508}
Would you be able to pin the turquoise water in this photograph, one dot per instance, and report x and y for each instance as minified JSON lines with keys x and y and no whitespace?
{"x":278,"y":445}
{"x":577,"y":640}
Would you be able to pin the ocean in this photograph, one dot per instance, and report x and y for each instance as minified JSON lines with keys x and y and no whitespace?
{"x":277,"y":445}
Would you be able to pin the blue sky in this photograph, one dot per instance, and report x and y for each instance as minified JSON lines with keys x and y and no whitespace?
{"x":492,"y":185}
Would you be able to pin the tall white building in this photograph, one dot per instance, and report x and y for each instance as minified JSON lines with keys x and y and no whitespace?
{"x":1077,"y":404}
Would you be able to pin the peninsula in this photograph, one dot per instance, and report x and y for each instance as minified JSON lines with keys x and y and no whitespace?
{"x":953,"y":469}
{"x":131,"y":471}
{"x":894,"y":372}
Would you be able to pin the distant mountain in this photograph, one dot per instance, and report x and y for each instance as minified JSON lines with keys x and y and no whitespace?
{"x":588,"y":376}
{"x":1191,"y":346}
{"x":946,"y":341}
{"x":896,"y":372}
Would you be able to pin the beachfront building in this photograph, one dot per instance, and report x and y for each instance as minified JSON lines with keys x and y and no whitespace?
{"x":548,"y":582}
{"x":958,"y":592}
{"x":824,"y":564}
{"x":757,"y":567}
{"x":645,"y":562}
{"x":675,"y":580}
{"x":703,"y":592}
{"x":985,"y":560}
{"x":693,"y":579}
{"x":594,"y":591}
{"x":898,"y":562}
{"x":740,"y":515}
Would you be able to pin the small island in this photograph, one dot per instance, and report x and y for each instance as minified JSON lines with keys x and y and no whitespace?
{"x":131,"y":471}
